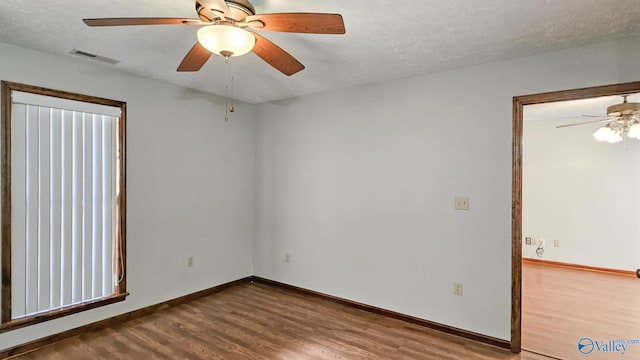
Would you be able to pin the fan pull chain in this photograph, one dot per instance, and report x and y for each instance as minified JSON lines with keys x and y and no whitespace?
{"x":228,"y":107}
{"x":233,"y":94}
{"x":226,"y":89}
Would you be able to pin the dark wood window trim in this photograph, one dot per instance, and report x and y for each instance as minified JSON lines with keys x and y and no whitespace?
{"x":58,"y":313}
{"x":120,"y":293}
{"x":516,"y":193}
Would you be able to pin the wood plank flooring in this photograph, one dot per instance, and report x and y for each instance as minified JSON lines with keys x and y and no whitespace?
{"x":561,"y":306}
{"x":253,"y":321}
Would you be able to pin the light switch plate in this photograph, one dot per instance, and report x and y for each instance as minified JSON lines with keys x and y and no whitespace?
{"x":457,"y":288}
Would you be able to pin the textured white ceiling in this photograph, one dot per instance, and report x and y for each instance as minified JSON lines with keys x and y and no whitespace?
{"x":384,"y":40}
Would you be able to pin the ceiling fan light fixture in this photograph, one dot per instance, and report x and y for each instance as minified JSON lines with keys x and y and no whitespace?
{"x":226,"y":40}
{"x":223,"y":31}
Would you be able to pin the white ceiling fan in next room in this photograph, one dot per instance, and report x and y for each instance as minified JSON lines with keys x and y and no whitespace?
{"x":622,"y":120}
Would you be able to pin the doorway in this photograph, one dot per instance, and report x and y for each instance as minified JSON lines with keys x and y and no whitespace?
{"x":518,"y":237}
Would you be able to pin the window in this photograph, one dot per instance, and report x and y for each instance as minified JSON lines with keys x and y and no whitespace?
{"x":63,"y":203}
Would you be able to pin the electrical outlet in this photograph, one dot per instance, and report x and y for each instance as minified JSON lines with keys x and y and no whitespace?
{"x":540,"y":248}
{"x":462,"y":203}
{"x":457,"y":288}
{"x":190,"y":261}
{"x":527,"y":240}
{"x":287,"y":258}
{"x":556,"y":243}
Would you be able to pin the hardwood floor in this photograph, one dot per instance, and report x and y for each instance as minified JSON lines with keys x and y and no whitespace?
{"x":254,"y":321}
{"x":561,"y":306}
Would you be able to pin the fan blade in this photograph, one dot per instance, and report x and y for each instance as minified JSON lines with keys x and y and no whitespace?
{"x":140,"y":21}
{"x":275,"y":56}
{"x":217,"y":6}
{"x":195,"y":58}
{"x":585,"y":122}
{"x":310,"y":23}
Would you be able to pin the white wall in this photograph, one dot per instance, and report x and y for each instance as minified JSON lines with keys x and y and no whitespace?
{"x":581,"y":192}
{"x":358,"y":184}
{"x":189,"y":182}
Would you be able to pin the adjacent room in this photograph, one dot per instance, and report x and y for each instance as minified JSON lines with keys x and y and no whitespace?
{"x":579,"y":210}
{"x":260,"y":179}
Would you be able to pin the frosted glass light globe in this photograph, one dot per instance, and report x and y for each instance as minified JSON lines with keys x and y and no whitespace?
{"x":615,"y":137}
{"x":603,"y":134}
{"x":634,"y":131}
{"x":226,"y":40}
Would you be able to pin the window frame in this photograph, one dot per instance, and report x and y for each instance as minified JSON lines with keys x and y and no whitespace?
{"x":120,"y":293}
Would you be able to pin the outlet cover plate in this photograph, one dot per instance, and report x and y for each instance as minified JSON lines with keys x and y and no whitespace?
{"x":462,"y":203}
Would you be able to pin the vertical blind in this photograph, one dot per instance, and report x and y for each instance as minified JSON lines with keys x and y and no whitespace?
{"x":63,"y":203}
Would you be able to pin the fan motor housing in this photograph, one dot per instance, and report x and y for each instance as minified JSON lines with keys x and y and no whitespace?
{"x":240,"y":9}
{"x":243,"y":5}
{"x":623,"y":109}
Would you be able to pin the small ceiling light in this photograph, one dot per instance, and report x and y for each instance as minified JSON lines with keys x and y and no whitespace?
{"x":606,"y":133}
{"x":615,"y":137}
{"x":634,"y":131}
{"x":603,"y":134}
{"x":226,"y":40}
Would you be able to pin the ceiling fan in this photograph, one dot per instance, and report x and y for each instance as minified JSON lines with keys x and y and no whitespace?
{"x":621,"y":119}
{"x":224,"y":31}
